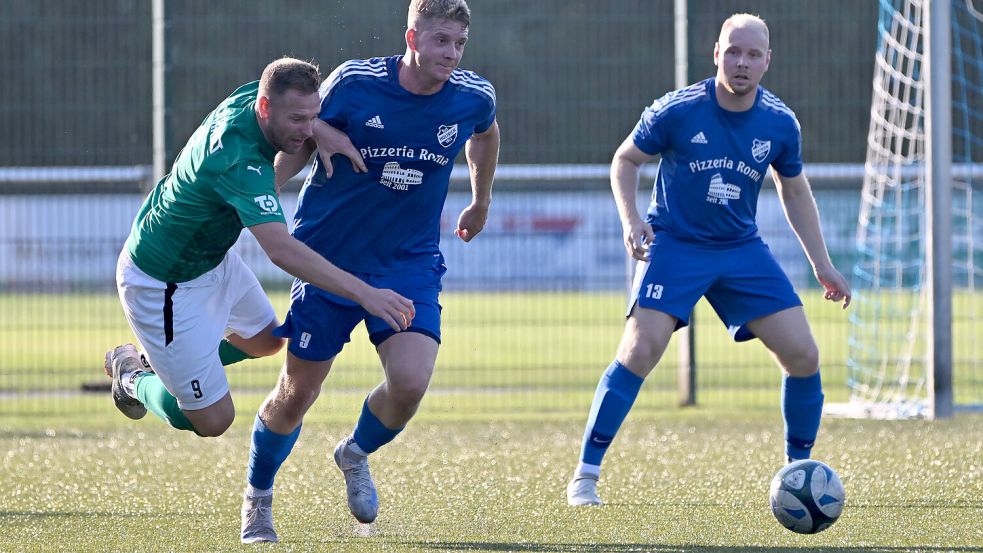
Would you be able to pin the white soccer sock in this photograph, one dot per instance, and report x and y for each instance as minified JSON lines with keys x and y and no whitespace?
{"x":583,"y":469}
{"x":353,"y":447}
{"x":129,"y":382}
{"x":253,"y":492}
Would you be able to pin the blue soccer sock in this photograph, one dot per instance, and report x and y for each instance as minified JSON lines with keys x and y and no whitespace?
{"x":802,"y":408}
{"x":267,"y":453}
{"x":370,"y":434}
{"x":615,"y":394}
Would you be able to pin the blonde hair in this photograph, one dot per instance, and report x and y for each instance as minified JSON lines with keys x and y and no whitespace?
{"x":289,"y":73}
{"x":744,"y":20}
{"x":455,"y":10}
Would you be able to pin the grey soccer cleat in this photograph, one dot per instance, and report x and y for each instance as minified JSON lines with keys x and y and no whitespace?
{"x":582,"y":491}
{"x":121,"y":362}
{"x":257,"y":520}
{"x":363,"y":501}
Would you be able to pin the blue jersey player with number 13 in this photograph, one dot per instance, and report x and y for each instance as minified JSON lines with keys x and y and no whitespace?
{"x":401,"y":121}
{"x":717,"y":138}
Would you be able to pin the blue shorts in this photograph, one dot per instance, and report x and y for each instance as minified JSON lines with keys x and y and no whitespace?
{"x":741,"y":282}
{"x":319,"y":323}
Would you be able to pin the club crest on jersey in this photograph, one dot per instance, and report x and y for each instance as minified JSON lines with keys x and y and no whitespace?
{"x":760,"y":149}
{"x":447,"y":134}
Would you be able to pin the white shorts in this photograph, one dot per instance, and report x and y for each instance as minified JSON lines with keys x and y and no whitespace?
{"x":181,"y":325}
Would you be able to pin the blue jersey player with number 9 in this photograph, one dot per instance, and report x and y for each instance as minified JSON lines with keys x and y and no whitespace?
{"x":401,"y":121}
{"x":717,"y":139}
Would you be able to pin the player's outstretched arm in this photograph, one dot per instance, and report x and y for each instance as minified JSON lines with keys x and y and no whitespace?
{"x":803,"y":216}
{"x":625,"y":168}
{"x":286,"y":166}
{"x":481,"y":151}
{"x":294,"y":257}
{"x":331,"y":141}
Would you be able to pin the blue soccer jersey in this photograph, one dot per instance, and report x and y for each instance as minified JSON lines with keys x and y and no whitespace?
{"x":713,"y":161}
{"x":388,"y":219}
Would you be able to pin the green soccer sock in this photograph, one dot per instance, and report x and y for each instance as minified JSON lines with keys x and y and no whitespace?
{"x":229,"y":354}
{"x":152,"y":393}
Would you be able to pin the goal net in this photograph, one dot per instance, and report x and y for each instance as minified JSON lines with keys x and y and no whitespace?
{"x":887,"y":368}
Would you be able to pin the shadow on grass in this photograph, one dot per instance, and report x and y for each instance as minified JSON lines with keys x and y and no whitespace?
{"x":908,"y":504}
{"x":632,"y":547}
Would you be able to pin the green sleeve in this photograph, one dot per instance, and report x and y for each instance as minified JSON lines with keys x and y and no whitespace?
{"x":248,"y":187}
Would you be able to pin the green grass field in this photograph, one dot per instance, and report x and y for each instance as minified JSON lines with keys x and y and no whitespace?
{"x":484,"y":465}
{"x":675,"y":480}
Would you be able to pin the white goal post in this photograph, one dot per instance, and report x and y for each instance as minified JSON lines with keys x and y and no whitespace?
{"x":917,"y":240}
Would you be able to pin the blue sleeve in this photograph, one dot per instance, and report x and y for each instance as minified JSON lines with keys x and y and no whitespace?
{"x":333,"y":93}
{"x":486,"y":118}
{"x":789,"y":161}
{"x":485,"y":123}
{"x":649,"y":134}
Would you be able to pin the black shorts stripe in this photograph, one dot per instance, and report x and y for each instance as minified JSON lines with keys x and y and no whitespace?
{"x":169,"y":313}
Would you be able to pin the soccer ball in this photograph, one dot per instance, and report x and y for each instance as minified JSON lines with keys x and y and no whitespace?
{"x":807,"y":496}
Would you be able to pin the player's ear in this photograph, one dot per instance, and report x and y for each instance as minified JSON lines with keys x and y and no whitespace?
{"x":411,"y":39}
{"x":263,"y":107}
{"x":716,"y":53}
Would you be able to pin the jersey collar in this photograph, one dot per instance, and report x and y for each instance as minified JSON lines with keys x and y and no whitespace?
{"x":712,"y":91}
{"x":392,"y":68}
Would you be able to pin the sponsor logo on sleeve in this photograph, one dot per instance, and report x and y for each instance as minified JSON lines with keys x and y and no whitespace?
{"x":268,"y":203}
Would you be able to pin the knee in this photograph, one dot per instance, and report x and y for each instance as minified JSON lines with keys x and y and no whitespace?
{"x":804,"y":362}
{"x":212,"y":427}
{"x":639,"y":355}
{"x":293,"y":399}
{"x":408,"y":392}
{"x":644,"y":341}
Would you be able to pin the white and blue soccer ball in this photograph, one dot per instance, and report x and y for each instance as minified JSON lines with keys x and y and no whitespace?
{"x":807,"y":496}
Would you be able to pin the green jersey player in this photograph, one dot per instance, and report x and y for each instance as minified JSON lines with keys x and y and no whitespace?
{"x":192,"y":303}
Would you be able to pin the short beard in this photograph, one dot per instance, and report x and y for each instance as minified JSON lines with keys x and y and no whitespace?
{"x":730,"y":88}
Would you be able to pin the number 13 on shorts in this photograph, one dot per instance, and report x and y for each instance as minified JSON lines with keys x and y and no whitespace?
{"x":653,"y":291}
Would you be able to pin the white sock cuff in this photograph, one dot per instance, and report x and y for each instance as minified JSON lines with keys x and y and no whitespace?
{"x":583,"y":469}
{"x":253,"y":492}
{"x":355,"y":449}
{"x":129,"y":382}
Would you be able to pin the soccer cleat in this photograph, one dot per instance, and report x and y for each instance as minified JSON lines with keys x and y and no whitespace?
{"x":257,"y":520}
{"x":121,"y":362}
{"x":582,"y":491}
{"x":363,"y":501}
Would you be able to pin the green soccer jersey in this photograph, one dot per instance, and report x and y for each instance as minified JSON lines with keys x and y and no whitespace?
{"x":221,"y":182}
